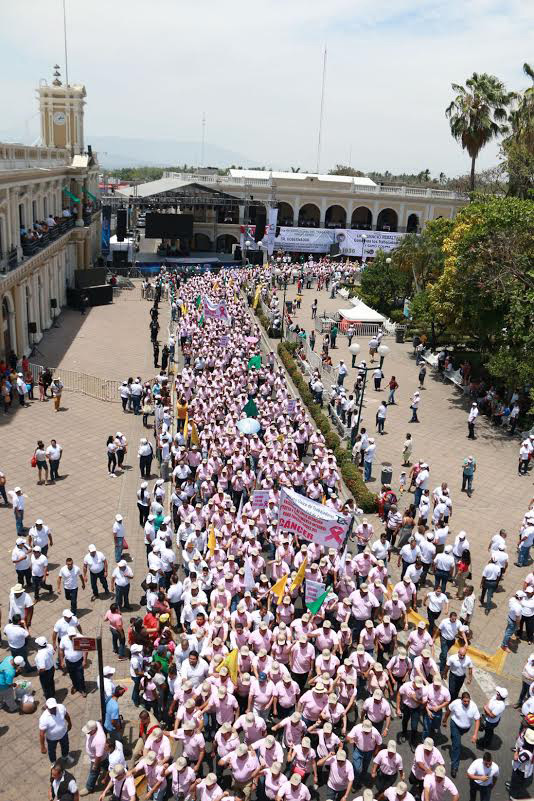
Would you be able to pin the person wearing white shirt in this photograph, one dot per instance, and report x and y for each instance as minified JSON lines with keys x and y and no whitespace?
{"x":41,"y":535}
{"x":69,"y":575}
{"x":459,"y":666}
{"x":492,"y":711}
{"x":73,"y":660}
{"x":194,"y":669}
{"x":482,"y":774}
{"x":471,"y":419}
{"x":436,"y":603}
{"x":368,"y":459}
{"x":120,"y":585}
{"x":54,"y":727}
{"x":20,"y":603}
{"x":443,"y":568}
{"x":39,"y":572}
{"x":53,"y":454}
{"x":488,"y":583}
{"x":17,"y":635}
{"x":96,"y":563}
{"x":21,"y":558}
{"x":44,"y":662}
{"x":463,"y":712}
{"x":449,"y":629}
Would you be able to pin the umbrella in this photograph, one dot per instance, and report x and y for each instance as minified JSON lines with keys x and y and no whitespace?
{"x":251,"y":340}
{"x":248,"y":425}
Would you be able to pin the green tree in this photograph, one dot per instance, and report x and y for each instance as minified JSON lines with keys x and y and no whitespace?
{"x":384,"y":285}
{"x":342,"y":169}
{"x":518,"y":148}
{"x":478,"y":114}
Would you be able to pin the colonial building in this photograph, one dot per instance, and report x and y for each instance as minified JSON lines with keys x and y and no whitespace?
{"x":49,"y":218}
{"x":303,"y":200}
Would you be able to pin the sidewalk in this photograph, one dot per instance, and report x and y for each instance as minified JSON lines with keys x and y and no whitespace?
{"x":113,"y":341}
{"x":500,"y":497}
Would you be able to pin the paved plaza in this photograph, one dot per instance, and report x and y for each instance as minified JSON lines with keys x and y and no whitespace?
{"x":113,"y":342}
{"x":500,"y":496}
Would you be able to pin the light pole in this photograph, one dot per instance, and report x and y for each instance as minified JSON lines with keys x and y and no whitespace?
{"x":354,"y":349}
{"x":364,"y":237}
{"x":283,"y":308}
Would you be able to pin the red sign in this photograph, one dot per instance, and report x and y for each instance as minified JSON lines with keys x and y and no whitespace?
{"x":85,"y":643}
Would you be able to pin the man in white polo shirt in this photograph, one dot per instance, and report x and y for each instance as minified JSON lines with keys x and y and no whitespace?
{"x":96,"y":563}
{"x":463,"y":712}
{"x":54,"y":727}
{"x":482,"y":774}
{"x":69,"y":575}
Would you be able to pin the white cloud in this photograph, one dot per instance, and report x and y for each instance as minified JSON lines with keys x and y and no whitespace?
{"x":255,"y":69}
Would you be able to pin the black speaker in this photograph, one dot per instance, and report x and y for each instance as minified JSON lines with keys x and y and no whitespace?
{"x":32,"y":328}
{"x":261,"y":219}
{"x":53,"y":303}
{"x":120,"y":257}
{"x":334,"y":250}
{"x":122,"y":222}
{"x":255,"y":257}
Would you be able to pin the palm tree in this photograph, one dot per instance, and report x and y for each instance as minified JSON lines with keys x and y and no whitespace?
{"x":478,"y":114}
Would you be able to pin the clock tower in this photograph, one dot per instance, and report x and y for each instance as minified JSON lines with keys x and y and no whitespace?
{"x":61,"y":108}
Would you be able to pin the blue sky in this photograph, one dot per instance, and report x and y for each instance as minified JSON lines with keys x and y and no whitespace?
{"x":152,"y":69}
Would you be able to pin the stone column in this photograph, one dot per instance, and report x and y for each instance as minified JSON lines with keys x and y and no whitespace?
{"x":21,"y":320}
{"x":79,"y":206}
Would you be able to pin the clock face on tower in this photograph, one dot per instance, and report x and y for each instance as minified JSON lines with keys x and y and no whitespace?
{"x":59,"y":118}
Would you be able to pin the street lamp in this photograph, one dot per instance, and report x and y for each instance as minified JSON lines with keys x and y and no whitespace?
{"x":383,"y":351}
{"x":354,"y":349}
{"x":364,"y":237}
{"x":283,"y":308}
{"x":388,"y":261}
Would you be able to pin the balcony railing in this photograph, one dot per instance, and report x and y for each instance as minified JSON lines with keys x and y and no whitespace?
{"x":20,"y":157}
{"x":30,"y":248}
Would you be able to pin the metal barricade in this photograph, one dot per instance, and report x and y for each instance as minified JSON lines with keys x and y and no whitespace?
{"x":105,"y":389}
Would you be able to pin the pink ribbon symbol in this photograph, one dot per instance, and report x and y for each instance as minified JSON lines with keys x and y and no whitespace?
{"x":336,"y":533}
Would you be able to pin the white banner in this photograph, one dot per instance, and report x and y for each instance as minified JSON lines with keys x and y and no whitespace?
{"x":291,"y":406}
{"x":307,"y":240}
{"x":215,"y":311}
{"x":270,"y":231}
{"x":310,"y":520}
{"x":313,"y":590}
{"x":351,"y":242}
{"x":260,"y":499}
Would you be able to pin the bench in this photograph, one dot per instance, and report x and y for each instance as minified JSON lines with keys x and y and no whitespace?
{"x":456,"y":379}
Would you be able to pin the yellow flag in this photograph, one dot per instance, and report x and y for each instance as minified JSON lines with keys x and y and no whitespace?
{"x":211,"y":541}
{"x":257,"y":296}
{"x":299,"y":578}
{"x":279,"y":589}
{"x":230,"y":661}
{"x":186,"y":426}
{"x":184,"y":309}
{"x":323,"y":500}
{"x":195,"y":439}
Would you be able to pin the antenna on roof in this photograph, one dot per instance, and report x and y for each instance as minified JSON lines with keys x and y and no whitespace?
{"x":65,"y":44}
{"x":321,"y":113}
{"x":203,"y":139}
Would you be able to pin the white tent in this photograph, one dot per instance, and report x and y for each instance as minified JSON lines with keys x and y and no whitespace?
{"x":360,"y":313}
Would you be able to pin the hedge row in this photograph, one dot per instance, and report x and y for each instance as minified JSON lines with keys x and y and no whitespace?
{"x":352,"y":477}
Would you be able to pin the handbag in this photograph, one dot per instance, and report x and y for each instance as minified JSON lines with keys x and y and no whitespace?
{"x":34,"y":461}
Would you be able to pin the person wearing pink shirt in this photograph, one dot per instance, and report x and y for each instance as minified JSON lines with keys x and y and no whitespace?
{"x":261,"y":696}
{"x":438,"y":787}
{"x":287,"y":692}
{"x":386,"y":639}
{"x":386,"y":769}
{"x":365,"y":739}
{"x":207,"y":789}
{"x":95,"y":747}
{"x":411,"y":700}
{"x":418,"y":640}
{"x":182,"y":777}
{"x":243,"y":764}
{"x":224,"y":705}
{"x":268,"y":751}
{"x":303,"y":760}
{"x":312,"y":703}
{"x":363,"y":606}
{"x":427,"y":758}
{"x":406,"y":591}
{"x":294,"y":728}
{"x":340,"y":776}
{"x":398,"y":793}
{"x":294,"y":790}
{"x":252,"y":725}
{"x":378,"y":711}
{"x":226,"y":740}
{"x":367,"y":637}
{"x":326,"y":663}
{"x":301,"y":660}
{"x":194,"y":745}
{"x":396,"y":610}
{"x":327,"y":741}
{"x":438,"y":698}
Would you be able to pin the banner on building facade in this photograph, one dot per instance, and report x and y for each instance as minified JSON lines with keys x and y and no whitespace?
{"x":270,"y":230}
{"x":307,"y":240}
{"x":106,"y":229}
{"x":351,"y":242}
{"x":309,"y":520}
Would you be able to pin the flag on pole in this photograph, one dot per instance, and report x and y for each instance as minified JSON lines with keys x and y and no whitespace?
{"x":87,"y":192}
{"x":184,"y":309}
{"x":201,"y":321}
{"x":198,"y":301}
{"x":195,"y":439}
{"x":186,"y":426}
{"x":250,"y":409}
{"x":254,"y":361}
{"x":314,"y":606}
{"x":230,"y":662}
{"x":257,"y":296}
{"x":279,"y":589}
{"x":299,"y":578}
{"x":212,"y":543}
{"x":249,"y":575}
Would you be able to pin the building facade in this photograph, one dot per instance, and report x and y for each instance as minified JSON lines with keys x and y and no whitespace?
{"x":303,"y":200}
{"x":49,"y":219}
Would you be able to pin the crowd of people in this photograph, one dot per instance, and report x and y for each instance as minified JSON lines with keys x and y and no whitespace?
{"x":245,"y":687}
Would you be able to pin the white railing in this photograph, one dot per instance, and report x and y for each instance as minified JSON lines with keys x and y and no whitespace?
{"x":17,"y":157}
{"x":105,"y":389}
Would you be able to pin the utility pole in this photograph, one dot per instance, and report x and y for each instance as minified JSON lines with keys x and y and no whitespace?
{"x":203,"y":139}
{"x":321,"y":112}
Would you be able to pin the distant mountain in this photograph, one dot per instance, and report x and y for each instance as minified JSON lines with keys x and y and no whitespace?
{"x":115,"y":152}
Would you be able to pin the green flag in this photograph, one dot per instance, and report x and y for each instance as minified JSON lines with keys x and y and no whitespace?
{"x":87,"y":192}
{"x":255,"y":361}
{"x":314,"y":606}
{"x":250,"y":409}
{"x":201,"y":321}
{"x":72,"y":197}
{"x":198,"y":301}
